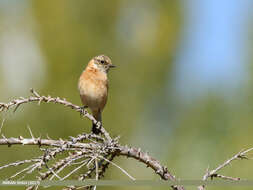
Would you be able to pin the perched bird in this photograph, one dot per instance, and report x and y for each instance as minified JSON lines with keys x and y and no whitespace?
{"x":93,"y":86}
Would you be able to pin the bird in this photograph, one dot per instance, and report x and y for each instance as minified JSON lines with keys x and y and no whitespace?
{"x":93,"y":87}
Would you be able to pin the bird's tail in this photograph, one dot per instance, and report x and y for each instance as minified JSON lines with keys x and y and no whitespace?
{"x":98,"y":117}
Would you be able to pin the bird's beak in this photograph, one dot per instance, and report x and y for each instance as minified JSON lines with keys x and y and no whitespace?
{"x":112,"y":66}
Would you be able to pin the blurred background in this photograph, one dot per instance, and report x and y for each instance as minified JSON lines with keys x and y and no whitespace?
{"x":182,"y":90}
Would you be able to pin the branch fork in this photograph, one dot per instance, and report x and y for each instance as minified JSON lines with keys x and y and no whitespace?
{"x":94,"y":152}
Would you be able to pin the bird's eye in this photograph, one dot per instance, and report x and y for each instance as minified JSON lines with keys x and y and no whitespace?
{"x":102,"y":61}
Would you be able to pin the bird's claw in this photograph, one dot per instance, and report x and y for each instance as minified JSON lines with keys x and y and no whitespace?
{"x":82,"y":110}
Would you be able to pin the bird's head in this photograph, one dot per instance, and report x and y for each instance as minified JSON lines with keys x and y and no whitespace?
{"x":102,"y":63}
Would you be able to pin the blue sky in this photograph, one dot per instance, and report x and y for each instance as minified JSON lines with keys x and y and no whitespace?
{"x":213,"y":52}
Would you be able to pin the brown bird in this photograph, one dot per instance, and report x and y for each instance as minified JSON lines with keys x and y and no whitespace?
{"x":93,"y":86}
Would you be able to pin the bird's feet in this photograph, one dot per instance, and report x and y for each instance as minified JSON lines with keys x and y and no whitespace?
{"x":82,"y":110}
{"x":95,"y":129}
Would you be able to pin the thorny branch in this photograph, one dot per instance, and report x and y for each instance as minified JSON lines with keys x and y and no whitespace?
{"x":95,"y":152}
{"x":90,"y":151}
{"x":37,"y":98}
{"x":214,"y":173}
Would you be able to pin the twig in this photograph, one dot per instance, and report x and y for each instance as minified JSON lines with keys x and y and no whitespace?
{"x":38,"y":98}
{"x":90,"y":137}
{"x":214,"y":173}
{"x":45,"y":142}
{"x":124,"y":171}
{"x":105,"y":166}
{"x":99,"y":146}
{"x":2,"y":124}
{"x":21,"y":171}
{"x":96,"y":165}
{"x":225,"y":177}
{"x":112,"y":149}
{"x":54,"y":174}
{"x":73,"y":171}
{"x":30,"y":132}
{"x":61,"y":163}
{"x":145,"y":158}
{"x":17,"y":163}
{"x":68,"y":163}
{"x":239,"y":155}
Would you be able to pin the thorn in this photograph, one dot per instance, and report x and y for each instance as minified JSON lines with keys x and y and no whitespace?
{"x":213,"y":176}
{"x":30,"y":131}
{"x":39,"y":101}
{"x":139,"y":152}
{"x":15,"y":109}
{"x":70,"y":153}
{"x":34,"y":92}
{"x":73,"y":139}
{"x":243,"y":157}
{"x":39,"y":141}
{"x":159,"y":171}
{"x":39,"y":168}
{"x":128,"y":152}
{"x":48,"y":137}
{"x":147,"y":164}
{"x":2,"y":125}
{"x":41,"y":174}
{"x":207,"y":170}
{"x":165,"y":169}
{"x":9,"y":145}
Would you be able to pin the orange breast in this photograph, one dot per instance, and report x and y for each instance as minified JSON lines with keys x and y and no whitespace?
{"x":93,"y":88}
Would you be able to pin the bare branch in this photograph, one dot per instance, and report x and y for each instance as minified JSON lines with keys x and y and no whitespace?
{"x":105,"y":166}
{"x":113,"y":149}
{"x":225,"y":177}
{"x":21,"y":171}
{"x":148,"y":160}
{"x":239,"y":155}
{"x":41,"y":142}
{"x":77,"y":168}
{"x":17,"y":163}
{"x":145,"y":158}
{"x":214,"y":173}
{"x":96,"y":152}
{"x":97,"y":174}
{"x":124,"y":171}
{"x":47,"y":99}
